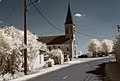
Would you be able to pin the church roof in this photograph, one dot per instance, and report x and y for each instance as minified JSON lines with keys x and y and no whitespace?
{"x":69,"y":16}
{"x":50,"y":40}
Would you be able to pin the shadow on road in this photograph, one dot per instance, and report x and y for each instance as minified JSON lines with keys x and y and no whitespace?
{"x":99,"y":72}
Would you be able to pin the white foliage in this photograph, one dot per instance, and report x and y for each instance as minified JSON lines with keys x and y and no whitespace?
{"x":49,"y":63}
{"x":11,"y":49}
{"x":43,"y":47}
{"x":107,"y":46}
{"x":57,"y":55}
{"x":97,"y":47}
{"x":94,"y":45}
{"x":9,"y":76}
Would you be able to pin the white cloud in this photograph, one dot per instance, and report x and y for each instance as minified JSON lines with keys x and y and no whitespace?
{"x":0,"y":0}
{"x":79,"y":15}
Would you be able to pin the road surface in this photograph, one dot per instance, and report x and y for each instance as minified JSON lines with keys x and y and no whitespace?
{"x":87,"y":71}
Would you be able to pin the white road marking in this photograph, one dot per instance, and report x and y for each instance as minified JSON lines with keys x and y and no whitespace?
{"x":65,"y":77}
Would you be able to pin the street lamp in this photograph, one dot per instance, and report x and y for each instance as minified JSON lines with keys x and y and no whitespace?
{"x":25,"y":33}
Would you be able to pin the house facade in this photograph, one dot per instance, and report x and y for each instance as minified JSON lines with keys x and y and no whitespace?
{"x":66,"y":42}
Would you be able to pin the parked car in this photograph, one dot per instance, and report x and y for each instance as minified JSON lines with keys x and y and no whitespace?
{"x":83,"y":56}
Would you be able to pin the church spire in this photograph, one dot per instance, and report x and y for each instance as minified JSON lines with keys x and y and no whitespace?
{"x":69,"y":15}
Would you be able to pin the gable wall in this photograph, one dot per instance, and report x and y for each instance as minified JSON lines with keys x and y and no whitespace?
{"x":64,"y":47}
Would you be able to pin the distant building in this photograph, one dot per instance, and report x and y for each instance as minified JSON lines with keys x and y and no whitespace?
{"x":67,"y":42}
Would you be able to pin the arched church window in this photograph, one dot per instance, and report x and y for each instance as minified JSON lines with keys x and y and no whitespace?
{"x":49,"y":48}
{"x":54,"y":47}
{"x":67,"y":49}
{"x":59,"y":47}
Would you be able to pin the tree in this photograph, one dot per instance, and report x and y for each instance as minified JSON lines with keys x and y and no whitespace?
{"x":106,"y":46}
{"x":94,"y":47}
{"x":11,"y":50}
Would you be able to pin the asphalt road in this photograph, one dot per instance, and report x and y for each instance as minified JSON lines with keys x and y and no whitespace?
{"x":88,"y":71}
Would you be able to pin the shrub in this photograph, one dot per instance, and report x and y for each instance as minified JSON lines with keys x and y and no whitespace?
{"x":49,"y":63}
{"x":57,"y":56}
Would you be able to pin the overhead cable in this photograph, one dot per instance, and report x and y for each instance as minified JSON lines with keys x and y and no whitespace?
{"x":52,"y":25}
{"x":9,"y":15}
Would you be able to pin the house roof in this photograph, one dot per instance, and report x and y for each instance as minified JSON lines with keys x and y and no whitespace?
{"x":50,"y":40}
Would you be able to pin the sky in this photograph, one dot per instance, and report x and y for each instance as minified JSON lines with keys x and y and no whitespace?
{"x":92,"y":18}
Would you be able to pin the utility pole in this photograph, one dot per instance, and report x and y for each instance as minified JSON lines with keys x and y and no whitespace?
{"x":25,"y":37}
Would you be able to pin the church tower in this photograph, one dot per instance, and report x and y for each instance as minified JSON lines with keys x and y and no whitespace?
{"x":70,"y":32}
{"x":69,"y":26}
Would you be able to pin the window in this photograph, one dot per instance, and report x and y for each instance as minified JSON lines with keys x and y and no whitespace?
{"x":67,"y":49}
{"x":54,"y":47}
{"x":49,"y":48}
{"x":59,"y":47}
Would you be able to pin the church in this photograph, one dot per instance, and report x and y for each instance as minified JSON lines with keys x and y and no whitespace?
{"x":65,"y":42}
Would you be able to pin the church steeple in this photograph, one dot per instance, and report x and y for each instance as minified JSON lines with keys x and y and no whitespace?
{"x":69,"y":26}
{"x":70,"y":32}
{"x":69,"y":16}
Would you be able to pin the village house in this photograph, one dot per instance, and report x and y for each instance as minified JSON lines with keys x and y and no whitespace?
{"x":66,"y":42}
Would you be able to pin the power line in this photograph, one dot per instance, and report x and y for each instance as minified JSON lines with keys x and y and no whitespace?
{"x":11,"y":12}
{"x":95,"y":36}
{"x":45,"y":17}
{"x":63,"y":30}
